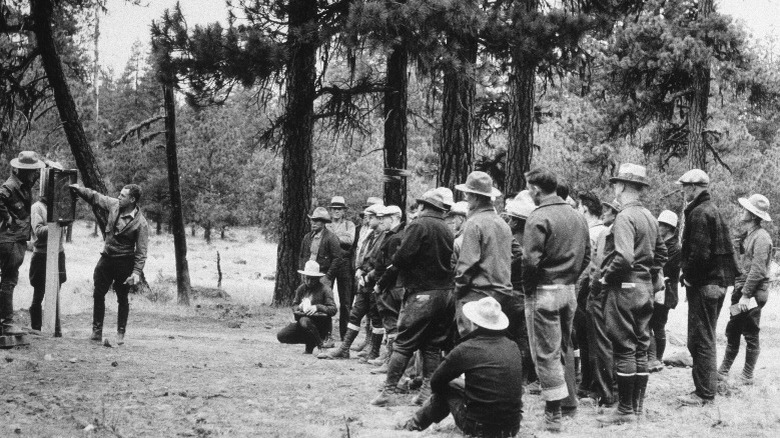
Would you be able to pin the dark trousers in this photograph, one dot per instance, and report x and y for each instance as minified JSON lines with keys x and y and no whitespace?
{"x":580,"y":335}
{"x":658,"y":331}
{"x":747,"y":324}
{"x":704,"y":304}
{"x":11,"y":258}
{"x":307,"y":330}
{"x":112,"y":271}
{"x":453,"y":401}
{"x":601,"y":355}
{"x":388,"y":304}
{"x":425,"y":320}
{"x":344,"y":280}
{"x":38,"y":282}
{"x":628,"y":313}
{"x":365,"y":304}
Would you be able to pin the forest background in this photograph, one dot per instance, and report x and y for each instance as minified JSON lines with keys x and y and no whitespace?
{"x":606,"y":82}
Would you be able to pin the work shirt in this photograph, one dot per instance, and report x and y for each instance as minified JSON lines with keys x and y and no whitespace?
{"x":706,"y":256}
{"x":493,"y":378}
{"x":130,"y":240}
{"x":316,"y":239}
{"x":319,"y":295}
{"x":485,"y":259}
{"x":640,"y":251}
{"x":125,"y":219}
{"x":755,"y":252}
{"x":605,"y":245}
{"x":556,"y":244}
{"x":424,"y":257}
{"x":362,"y":235}
{"x":15,"y":203}
{"x":594,"y":231}
{"x":40,"y":228}
{"x":345,"y":231}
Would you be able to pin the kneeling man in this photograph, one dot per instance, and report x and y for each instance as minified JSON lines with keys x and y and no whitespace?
{"x":489,"y":404}
{"x":313,"y":309}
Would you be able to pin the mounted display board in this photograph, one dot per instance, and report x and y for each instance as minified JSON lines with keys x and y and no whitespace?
{"x":60,"y":199}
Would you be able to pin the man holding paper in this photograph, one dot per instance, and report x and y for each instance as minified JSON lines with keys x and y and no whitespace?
{"x":751,"y":287}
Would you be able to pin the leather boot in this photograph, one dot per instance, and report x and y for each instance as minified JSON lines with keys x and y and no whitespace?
{"x":728,"y":361}
{"x":640,"y":388}
{"x":653,"y":364}
{"x":343,"y":351}
{"x":97,"y":333}
{"x":376,"y":344}
{"x":751,"y":357}
{"x":625,"y":410}
{"x":553,"y":416}
{"x":362,"y":345}
{"x":367,"y":347}
{"x":431,"y":358}
{"x":383,"y":366}
{"x":7,"y":313}
{"x":390,"y":391}
{"x":36,"y":317}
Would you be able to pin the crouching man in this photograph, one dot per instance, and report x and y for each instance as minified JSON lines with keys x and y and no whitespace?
{"x":489,"y":404}
{"x":313,"y":309}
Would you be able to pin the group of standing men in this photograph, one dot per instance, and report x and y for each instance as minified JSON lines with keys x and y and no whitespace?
{"x":458,"y":282}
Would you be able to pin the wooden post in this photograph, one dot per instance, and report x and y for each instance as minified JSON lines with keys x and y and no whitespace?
{"x":51,"y":308}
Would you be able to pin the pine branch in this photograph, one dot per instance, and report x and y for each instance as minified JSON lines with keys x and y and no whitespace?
{"x":135,"y":131}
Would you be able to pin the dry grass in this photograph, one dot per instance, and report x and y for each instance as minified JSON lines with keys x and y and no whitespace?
{"x":216,"y":369}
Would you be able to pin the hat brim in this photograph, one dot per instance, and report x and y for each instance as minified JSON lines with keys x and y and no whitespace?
{"x":311,"y":274}
{"x":440,"y":206}
{"x":19,"y":165}
{"x":615,"y":179}
{"x":327,"y":221}
{"x":337,"y":206}
{"x":611,"y":206}
{"x":764,"y":216}
{"x":661,"y":221}
{"x":470,"y":312}
{"x":494,"y":192}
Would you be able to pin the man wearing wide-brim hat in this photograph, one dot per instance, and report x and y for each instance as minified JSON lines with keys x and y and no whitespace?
{"x":15,"y":231}
{"x":708,"y":269}
{"x":488,"y":403}
{"x":322,"y":246}
{"x":556,"y":250}
{"x":424,"y":263}
{"x":751,"y":289}
{"x":485,"y":257}
{"x":630,"y":277}
{"x":313,"y":308}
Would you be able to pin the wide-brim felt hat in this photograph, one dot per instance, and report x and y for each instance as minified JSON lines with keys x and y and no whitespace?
{"x":614,"y":205}
{"x":311,"y":269}
{"x":27,"y":160}
{"x":758,"y":205}
{"x":631,"y":173}
{"x":436,"y":198}
{"x":486,"y":313}
{"x":479,"y":183}
{"x":338,"y":202}
{"x":320,"y":214}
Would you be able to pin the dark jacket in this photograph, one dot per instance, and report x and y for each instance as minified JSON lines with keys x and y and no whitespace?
{"x":672,"y":271}
{"x":329,"y":257}
{"x":706,"y":256}
{"x":320,"y":296}
{"x":556,"y":245}
{"x":384,"y":274}
{"x":424,"y":258}
{"x":640,"y":251}
{"x":15,"y":203}
{"x":517,"y":263}
{"x":491,"y":363}
{"x":485,"y":258}
{"x":370,"y":260}
{"x":132,"y":240}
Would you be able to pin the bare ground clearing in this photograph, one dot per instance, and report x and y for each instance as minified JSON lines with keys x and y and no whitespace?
{"x":215,"y":369}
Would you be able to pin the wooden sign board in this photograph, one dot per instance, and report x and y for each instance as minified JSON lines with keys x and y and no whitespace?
{"x":61,"y":201}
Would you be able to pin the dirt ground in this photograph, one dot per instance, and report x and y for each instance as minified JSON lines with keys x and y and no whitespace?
{"x":216,"y":369}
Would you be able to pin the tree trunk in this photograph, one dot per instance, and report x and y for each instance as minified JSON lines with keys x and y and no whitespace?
{"x":207,"y":232}
{"x":69,"y":233}
{"x":456,"y":150}
{"x":395,"y":141}
{"x":41,"y":11}
{"x":522,"y":82}
{"x":159,"y":225}
{"x":183,"y":286}
{"x":697,"y":115}
{"x":297,"y":173}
